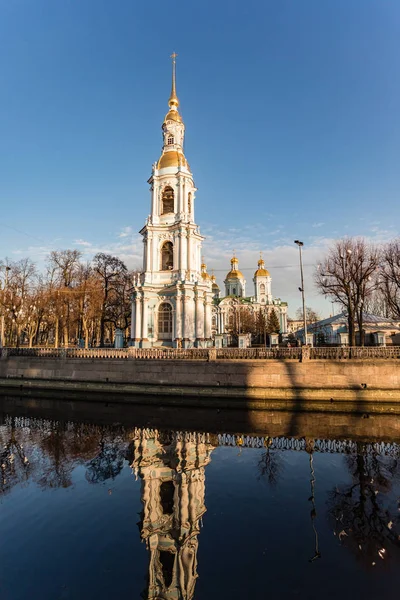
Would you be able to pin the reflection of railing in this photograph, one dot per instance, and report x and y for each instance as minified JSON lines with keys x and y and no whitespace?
{"x":299,"y":444}
{"x":161,"y":353}
{"x":223,"y":439}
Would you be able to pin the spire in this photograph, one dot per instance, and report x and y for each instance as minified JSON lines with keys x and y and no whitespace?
{"x":173,"y":101}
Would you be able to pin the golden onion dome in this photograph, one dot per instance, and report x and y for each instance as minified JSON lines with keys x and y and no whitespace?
{"x":204,"y":274}
{"x":235,"y":274}
{"x":172,"y":158}
{"x":261,"y":271}
{"x":173,"y":115}
{"x":215,"y":285}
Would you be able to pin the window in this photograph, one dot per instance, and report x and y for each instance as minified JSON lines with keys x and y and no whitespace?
{"x":167,"y":560}
{"x":170,"y":140}
{"x":167,"y":491}
{"x":165,"y":321}
{"x":167,"y":201}
{"x":189,"y":202}
{"x":262,"y":289}
{"x":167,"y":257}
{"x":234,"y":291}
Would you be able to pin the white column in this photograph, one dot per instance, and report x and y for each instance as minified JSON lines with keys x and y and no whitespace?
{"x":149,"y":252}
{"x":189,"y":247}
{"x":188,"y":319}
{"x":133,"y":317}
{"x":208,"y":319}
{"x":181,"y":267}
{"x":144,"y":254}
{"x":199,"y":316}
{"x":178,"y":315}
{"x":138,"y":321}
{"x":144,"y":318}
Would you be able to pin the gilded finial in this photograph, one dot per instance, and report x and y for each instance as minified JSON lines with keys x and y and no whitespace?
{"x":173,"y":99}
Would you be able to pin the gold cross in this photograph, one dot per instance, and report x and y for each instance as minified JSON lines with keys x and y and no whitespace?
{"x":173,"y":56}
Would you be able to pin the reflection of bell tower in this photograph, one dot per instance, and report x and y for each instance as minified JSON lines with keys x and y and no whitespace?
{"x":171,"y":467}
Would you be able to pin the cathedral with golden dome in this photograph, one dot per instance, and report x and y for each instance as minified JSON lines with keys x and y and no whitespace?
{"x":175,"y":302}
{"x":226,"y":309}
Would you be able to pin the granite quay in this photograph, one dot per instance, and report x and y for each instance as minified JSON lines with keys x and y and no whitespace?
{"x":210,"y":377}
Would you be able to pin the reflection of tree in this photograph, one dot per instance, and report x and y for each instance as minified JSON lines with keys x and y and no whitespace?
{"x":56,"y":470}
{"x":47,"y":452}
{"x":270,"y":465}
{"x":109,"y":461}
{"x":357,"y":512}
{"x":14,"y":464}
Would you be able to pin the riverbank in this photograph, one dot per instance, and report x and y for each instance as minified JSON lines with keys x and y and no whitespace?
{"x":220,"y":384}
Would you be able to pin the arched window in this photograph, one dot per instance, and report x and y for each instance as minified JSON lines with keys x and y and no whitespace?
{"x":170,"y":140}
{"x":189,"y":202}
{"x":234,"y":291}
{"x":262,"y":289}
{"x":167,"y":201}
{"x":165,"y":321}
{"x":167,"y":257}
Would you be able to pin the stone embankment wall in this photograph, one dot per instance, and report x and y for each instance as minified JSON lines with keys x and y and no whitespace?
{"x":351,"y":380}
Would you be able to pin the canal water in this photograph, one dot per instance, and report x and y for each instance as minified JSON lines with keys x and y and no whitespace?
{"x":112,"y":503}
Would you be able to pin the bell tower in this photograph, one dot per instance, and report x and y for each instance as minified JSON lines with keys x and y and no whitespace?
{"x":172,"y":243}
{"x":170,"y":229}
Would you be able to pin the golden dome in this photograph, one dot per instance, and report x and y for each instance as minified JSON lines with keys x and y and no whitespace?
{"x":204,"y":273}
{"x":215,"y":285}
{"x":235,"y":274}
{"x":261,"y":271}
{"x":173,"y":115}
{"x":172,"y":158}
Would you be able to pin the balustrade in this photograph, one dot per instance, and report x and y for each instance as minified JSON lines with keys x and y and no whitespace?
{"x":304,"y":354}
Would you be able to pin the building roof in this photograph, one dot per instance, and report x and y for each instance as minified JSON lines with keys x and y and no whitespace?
{"x":369,"y":320}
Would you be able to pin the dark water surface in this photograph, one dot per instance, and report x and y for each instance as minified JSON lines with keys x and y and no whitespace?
{"x":121,"y":502}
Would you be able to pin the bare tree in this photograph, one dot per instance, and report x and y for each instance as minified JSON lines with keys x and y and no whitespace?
{"x":312,"y":315}
{"x":390,"y":278}
{"x":348,"y":275}
{"x":111,"y":271}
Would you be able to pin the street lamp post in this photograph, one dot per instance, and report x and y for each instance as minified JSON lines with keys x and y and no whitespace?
{"x":300,"y":245}
{"x":7,"y":269}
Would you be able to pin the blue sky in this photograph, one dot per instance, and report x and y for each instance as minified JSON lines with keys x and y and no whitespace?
{"x":291,"y":113}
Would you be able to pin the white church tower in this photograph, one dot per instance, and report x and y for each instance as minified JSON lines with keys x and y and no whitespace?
{"x":262,"y":284}
{"x":171,"y":300}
